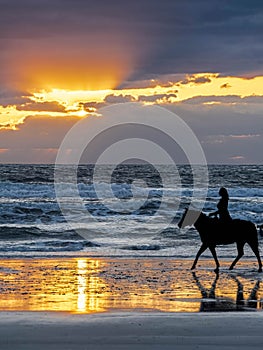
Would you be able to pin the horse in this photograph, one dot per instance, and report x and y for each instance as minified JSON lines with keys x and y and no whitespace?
{"x":213,"y":232}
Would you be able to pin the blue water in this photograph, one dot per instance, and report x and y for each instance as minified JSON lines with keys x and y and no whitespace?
{"x":31,"y":222}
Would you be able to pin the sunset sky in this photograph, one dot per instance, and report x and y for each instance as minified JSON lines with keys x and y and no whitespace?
{"x":61,"y":60}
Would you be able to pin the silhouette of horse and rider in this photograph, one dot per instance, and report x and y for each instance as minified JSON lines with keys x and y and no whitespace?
{"x":218,"y":228}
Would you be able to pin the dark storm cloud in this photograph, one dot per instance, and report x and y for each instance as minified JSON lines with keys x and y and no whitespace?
{"x":183,"y":36}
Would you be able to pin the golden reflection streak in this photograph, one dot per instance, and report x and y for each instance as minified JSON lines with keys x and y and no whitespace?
{"x":82,"y":265}
{"x":94,"y":286}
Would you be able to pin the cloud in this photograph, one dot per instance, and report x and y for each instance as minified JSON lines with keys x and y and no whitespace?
{"x":109,"y":99}
{"x":119,"y":98}
{"x":201,"y":80}
{"x":10,"y":97}
{"x":237,"y":158}
{"x":253,"y":99}
{"x":223,"y":131}
{"x":206,"y":99}
{"x":91,"y":106}
{"x":229,"y":99}
{"x":158,"y":98}
{"x":243,"y":137}
{"x":42,"y":107}
{"x":225,"y":86}
{"x":196,"y":79}
{"x":6,"y":126}
{"x":218,"y":139}
{"x":210,"y":36}
{"x":77,"y":44}
{"x":165,"y":80}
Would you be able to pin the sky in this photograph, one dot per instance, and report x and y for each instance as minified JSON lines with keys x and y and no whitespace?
{"x":61,"y":60}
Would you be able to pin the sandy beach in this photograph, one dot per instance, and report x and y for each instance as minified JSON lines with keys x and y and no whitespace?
{"x":97,"y":303}
{"x":26,"y":331}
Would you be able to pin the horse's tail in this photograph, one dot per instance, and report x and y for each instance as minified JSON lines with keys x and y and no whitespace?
{"x":252,"y":236}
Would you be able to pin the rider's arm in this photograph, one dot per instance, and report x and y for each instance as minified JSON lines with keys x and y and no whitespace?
{"x":215,"y":213}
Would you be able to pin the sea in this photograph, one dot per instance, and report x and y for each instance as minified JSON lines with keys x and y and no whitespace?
{"x":124,"y":217}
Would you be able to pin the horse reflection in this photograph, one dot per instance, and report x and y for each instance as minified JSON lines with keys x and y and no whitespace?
{"x":210,"y":302}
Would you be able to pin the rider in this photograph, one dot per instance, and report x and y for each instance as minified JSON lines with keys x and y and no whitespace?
{"x":222,"y":207}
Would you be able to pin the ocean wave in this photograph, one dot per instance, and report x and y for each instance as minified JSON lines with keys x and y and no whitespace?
{"x":46,"y":246}
{"x":31,"y":219}
{"x":31,"y":232}
{"x":143,"y":247}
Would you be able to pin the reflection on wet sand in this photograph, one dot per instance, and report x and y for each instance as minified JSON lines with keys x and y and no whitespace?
{"x":211,"y":302}
{"x":88,"y":285}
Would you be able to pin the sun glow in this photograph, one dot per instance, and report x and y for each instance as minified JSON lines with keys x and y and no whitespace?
{"x":70,"y":97}
{"x":81,"y":103}
{"x":215,"y":85}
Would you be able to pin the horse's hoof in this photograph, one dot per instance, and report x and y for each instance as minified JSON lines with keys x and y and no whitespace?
{"x":216,"y":270}
{"x":260,"y":269}
{"x":231,"y":268}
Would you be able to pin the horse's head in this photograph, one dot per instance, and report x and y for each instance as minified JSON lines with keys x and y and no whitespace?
{"x":189,"y":218}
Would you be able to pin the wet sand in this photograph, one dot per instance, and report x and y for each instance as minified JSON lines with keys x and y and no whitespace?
{"x":89,"y":285}
{"x":88,"y":303}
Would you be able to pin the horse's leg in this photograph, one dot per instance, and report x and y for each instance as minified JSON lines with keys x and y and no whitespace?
{"x":254,"y":247}
{"x":213,"y":251}
{"x":240,"y":253}
{"x":252,"y":300}
{"x":240,"y":292}
{"x":200,"y":251}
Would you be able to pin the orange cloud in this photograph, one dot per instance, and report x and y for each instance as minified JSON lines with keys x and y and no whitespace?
{"x":42,"y":107}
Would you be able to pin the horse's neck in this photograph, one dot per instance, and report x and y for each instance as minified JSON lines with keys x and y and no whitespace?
{"x":200,"y":221}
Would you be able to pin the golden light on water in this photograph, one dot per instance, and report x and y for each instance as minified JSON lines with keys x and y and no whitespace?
{"x":86,"y":285}
{"x":82,"y":266}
